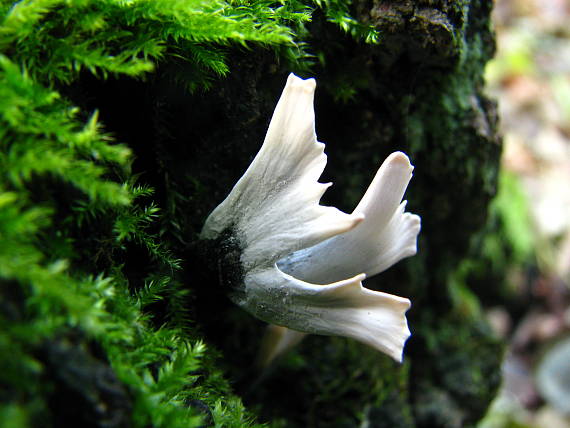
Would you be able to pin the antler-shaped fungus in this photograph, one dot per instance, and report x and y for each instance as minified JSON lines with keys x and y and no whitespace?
{"x":302,"y":264}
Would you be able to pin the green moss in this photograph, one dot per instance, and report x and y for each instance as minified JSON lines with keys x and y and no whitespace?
{"x":464,"y":356}
{"x":341,"y":382}
{"x":81,"y":262}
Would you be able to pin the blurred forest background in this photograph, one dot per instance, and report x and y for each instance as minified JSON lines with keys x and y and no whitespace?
{"x":530,"y":78}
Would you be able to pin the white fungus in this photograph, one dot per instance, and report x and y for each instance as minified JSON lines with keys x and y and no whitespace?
{"x":302,"y":264}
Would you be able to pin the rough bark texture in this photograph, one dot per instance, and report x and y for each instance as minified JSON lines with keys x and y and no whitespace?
{"x":420,"y":91}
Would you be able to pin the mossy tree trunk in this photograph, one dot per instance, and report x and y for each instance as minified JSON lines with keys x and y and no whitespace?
{"x":420,"y":90}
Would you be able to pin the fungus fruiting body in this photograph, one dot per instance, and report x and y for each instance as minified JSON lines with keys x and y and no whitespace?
{"x":301,"y":264}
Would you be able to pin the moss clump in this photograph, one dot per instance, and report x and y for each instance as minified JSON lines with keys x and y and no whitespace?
{"x":94,"y":331}
{"x":343,"y":383}
{"x":462,"y":366}
{"x":75,"y":322}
